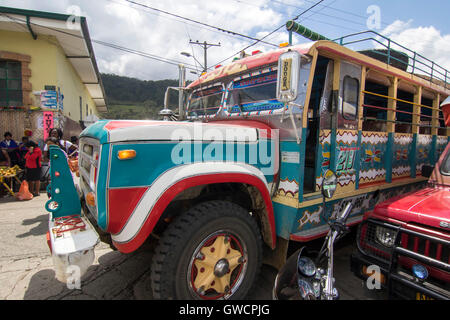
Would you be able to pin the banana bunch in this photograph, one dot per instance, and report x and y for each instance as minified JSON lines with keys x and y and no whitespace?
{"x":9,"y":171}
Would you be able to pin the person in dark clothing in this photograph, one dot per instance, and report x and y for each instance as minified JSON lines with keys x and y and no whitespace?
{"x":23,"y":150}
{"x":63,"y":144}
{"x":11,"y":147}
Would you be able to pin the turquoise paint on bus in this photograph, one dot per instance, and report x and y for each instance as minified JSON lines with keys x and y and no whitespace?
{"x":96,"y":131}
{"x":284,"y":219}
{"x":388,"y":157}
{"x":102,"y":186}
{"x":154,"y":158}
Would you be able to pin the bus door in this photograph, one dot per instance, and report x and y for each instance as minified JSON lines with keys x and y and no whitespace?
{"x":320,"y":88}
{"x":345,"y":139}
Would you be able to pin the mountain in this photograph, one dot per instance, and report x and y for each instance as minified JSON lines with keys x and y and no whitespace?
{"x":131,"y":98}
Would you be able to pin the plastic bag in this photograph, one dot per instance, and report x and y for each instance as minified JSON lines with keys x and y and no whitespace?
{"x":24,"y":192}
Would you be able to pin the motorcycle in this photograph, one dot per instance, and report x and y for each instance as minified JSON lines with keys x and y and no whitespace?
{"x":303,"y":278}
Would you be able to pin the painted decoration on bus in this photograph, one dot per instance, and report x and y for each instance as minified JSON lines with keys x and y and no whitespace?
{"x":288,"y":187}
{"x":372,"y":166}
{"x":254,"y":94}
{"x":347,"y":149}
{"x":423,"y":150}
{"x":324,"y":156}
{"x":402,"y":148}
{"x":310,"y":217}
{"x":441,"y":144}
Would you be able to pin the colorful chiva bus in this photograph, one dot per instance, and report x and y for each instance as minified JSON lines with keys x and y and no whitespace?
{"x":372,"y":123}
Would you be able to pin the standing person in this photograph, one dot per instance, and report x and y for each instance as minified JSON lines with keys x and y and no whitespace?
{"x":4,"y":158}
{"x":11,"y":147}
{"x":23,"y":151}
{"x":63,"y":144}
{"x":33,"y":165}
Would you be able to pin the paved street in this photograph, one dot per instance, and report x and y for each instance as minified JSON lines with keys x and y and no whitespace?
{"x":26,"y":270}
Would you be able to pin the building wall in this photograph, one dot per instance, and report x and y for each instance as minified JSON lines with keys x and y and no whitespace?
{"x":72,"y":89}
{"x":49,"y":66}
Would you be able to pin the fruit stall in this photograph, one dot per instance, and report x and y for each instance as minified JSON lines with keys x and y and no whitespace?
{"x":7,"y":177}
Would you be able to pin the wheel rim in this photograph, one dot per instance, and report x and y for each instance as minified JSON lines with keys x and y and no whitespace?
{"x":217,"y":266}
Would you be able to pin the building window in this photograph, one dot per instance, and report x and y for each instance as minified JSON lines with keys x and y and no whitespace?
{"x":10,"y":84}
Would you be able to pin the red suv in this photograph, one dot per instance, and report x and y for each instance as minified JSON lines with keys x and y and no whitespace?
{"x":405,"y":242}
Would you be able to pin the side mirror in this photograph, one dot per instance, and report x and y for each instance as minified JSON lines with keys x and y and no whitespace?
{"x":167,"y":113}
{"x":288,"y":76}
{"x":329,"y":184}
{"x":427,"y":171}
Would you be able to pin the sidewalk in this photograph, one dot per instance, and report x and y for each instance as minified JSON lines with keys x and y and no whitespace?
{"x":26,"y":267}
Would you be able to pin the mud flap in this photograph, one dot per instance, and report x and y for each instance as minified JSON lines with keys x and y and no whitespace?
{"x":72,"y":243}
{"x":71,"y":237}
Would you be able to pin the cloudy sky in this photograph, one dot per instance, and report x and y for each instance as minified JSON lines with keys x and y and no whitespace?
{"x":420,"y":25}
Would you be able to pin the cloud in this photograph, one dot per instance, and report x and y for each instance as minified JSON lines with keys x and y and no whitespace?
{"x":128,"y":25}
{"x":426,"y":41}
{"x":148,"y":31}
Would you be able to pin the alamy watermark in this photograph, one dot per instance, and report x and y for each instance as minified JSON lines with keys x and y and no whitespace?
{"x":224,"y":144}
{"x":373,"y":281}
{"x":73,"y":22}
{"x":374,"y":20}
{"x":73,"y":281}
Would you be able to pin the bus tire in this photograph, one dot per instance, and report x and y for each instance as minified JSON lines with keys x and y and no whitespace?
{"x":212,"y":251}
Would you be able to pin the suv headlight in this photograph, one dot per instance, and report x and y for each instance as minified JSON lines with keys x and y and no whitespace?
{"x":385,"y":236}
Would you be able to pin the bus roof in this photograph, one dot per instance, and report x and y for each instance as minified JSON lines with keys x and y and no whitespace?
{"x":248,"y":63}
{"x":328,"y":49}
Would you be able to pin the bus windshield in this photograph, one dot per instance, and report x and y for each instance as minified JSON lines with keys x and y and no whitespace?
{"x":205,"y":101}
{"x":256,"y":93}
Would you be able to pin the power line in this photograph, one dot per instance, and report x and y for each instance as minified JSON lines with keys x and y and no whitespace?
{"x":316,"y":12}
{"x":178,"y":20}
{"x":205,"y":46}
{"x":296,"y":18}
{"x":331,"y":8}
{"x":110,"y":45}
{"x":200,"y":23}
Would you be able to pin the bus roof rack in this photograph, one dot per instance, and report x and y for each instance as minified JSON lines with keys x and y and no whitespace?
{"x":399,"y":56}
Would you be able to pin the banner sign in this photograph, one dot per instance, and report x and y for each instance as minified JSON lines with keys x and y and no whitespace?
{"x":49,"y":99}
{"x":48,"y":123}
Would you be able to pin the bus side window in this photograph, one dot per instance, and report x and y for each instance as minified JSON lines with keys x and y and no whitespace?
{"x":404,"y":112}
{"x":375,"y":107}
{"x":426,"y":115}
{"x":350,"y":98}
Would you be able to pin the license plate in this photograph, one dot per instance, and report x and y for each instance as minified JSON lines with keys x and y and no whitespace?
{"x":421,"y":296}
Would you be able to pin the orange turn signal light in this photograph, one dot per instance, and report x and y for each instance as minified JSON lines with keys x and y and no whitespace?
{"x":126,"y":154}
{"x":90,"y":199}
{"x":284,"y":45}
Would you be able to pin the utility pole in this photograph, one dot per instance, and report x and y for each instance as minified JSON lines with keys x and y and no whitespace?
{"x":205,"y":46}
